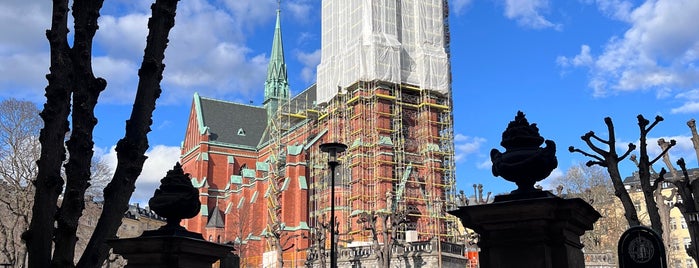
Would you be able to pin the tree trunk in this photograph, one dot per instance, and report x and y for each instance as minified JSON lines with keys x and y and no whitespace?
{"x":651,"y":206}
{"x":692,"y":124}
{"x":86,"y":90}
{"x":620,"y":191}
{"x":644,"y":165}
{"x":48,"y":183}
{"x":131,"y":149}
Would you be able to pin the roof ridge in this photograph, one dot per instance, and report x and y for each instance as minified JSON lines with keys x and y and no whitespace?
{"x":230,"y":102}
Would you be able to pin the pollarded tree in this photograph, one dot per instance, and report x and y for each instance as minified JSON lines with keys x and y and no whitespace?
{"x":73,"y":91}
{"x":609,"y":159}
{"x":384,"y":226}
{"x":687,"y":187}
{"x":692,"y":124}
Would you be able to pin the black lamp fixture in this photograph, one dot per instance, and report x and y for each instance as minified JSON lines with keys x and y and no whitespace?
{"x":333,"y":148}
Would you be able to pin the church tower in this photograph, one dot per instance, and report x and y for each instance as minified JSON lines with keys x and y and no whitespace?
{"x":277,"y":84}
{"x":383,"y":89}
{"x":400,"y":42}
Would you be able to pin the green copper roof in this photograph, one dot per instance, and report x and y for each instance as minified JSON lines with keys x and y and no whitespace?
{"x":276,"y":85}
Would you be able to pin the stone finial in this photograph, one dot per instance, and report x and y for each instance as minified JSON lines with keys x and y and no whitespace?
{"x":176,"y":199}
{"x":523,"y":161}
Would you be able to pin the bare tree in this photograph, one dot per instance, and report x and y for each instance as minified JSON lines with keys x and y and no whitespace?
{"x":383,"y":226}
{"x":687,"y":187}
{"x":692,"y":124}
{"x":71,"y":83}
{"x":19,"y":150}
{"x":478,"y":194}
{"x":282,"y":239}
{"x":317,"y":238}
{"x":610,"y":160}
{"x":592,"y":185}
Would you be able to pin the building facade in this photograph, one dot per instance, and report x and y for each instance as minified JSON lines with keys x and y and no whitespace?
{"x":676,"y":235}
{"x":383,"y":89}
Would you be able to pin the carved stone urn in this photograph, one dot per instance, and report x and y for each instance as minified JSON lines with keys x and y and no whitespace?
{"x":176,"y":199}
{"x":172,"y":246}
{"x":524,"y":162}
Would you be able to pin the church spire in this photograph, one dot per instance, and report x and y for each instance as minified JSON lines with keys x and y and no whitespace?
{"x":276,"y":85}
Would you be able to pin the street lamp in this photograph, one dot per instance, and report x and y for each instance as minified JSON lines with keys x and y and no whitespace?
{"x":332,"y":148}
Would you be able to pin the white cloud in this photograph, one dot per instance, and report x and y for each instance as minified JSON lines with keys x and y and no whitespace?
{"x":247,"y":13}
{"x":547,"y":183}
{"x":24,"y":57}
{"x":310,"y":61}
{"x":22,"y":75}
{"x":684,"y":149}
{"x":208,"y":50}
{"x":486,"y":164}
{"x":620,"y":10}
{"x":458,"y":6}
{"x":582,"y":59}
{"x":121,"y":75}
{"x":300,"y":10}
{"x":659,"y":51}
{"x":691,"y":102}
{"x":23,"y":25}
{"x":556,"y":173}
{"x":466,"y":145}
{"x":686,"y":108}
{"x":689,"y":95}
{"x":161,"y":158}
{"x":528,"y":13}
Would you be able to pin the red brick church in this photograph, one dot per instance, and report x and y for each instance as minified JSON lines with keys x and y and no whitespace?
{"x":383,"y":90}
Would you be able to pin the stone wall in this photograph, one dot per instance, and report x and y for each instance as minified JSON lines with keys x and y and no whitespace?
{"x":412,"y":255}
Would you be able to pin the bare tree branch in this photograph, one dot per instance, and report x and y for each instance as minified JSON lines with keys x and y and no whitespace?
{"x":131,"y":149}
{"x":610,"y":161}
{"x":49,"y":183}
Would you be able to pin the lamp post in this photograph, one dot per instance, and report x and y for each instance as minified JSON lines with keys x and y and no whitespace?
{"x":332,"y":148}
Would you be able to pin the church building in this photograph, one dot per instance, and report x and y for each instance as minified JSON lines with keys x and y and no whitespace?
{"x":384,"y":89}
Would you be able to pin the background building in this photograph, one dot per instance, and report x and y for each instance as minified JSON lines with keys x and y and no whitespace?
{"x":383,"y":89}
{"x":675,"y":232}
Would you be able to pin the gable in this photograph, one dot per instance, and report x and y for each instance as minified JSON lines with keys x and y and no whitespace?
{"x":194,"y":127}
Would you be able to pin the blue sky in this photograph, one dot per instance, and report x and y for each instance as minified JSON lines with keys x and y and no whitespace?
{"x":566,"y":64}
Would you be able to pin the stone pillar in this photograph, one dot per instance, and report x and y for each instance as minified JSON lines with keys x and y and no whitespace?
{"x":171,"y":246}
{"x":537,"y":232}
{"x":173,"y":251}
{"x":528,"y":227}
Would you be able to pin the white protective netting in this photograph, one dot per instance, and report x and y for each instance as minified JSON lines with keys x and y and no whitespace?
{"x":398,"y":41}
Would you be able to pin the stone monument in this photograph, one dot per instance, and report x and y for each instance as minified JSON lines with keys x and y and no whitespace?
{"x":641,"y":247}
{"x":528,"y":227}
{"x":172,"y":245}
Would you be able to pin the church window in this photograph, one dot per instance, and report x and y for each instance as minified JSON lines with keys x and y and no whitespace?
{"x":241,"y":132}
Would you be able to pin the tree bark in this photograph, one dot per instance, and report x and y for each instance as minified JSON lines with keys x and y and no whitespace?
{"x":610,"y":160}
{"x":131,"y":149}
{"x":86,"y":90}
{"x":692,"y":124}
{"x":644,"y":175}
{"x":49,"y":183}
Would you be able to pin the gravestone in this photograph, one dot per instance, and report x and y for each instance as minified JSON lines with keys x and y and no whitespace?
{"x":641,"y":247}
